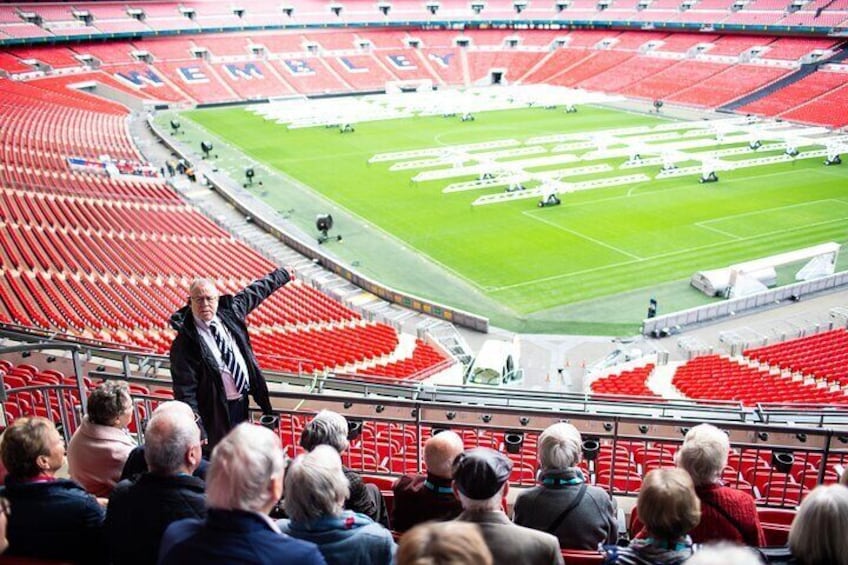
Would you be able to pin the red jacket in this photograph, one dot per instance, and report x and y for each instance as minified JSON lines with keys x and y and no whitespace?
{"x":727,"y":514}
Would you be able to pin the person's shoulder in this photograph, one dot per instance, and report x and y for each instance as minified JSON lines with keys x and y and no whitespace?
{"x":295,"y":550}
{"x":538,"y":536}
{"x":68,"y":488}
{"x":525,"y":494}
{"x":123,"y":488}
{"x":726,"y":493}
{"x":405,"y":481}
{"x":599,"y":495}
{"x":181,"y":529}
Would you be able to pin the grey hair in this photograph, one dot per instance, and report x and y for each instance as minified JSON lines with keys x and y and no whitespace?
{"x":315,"y":485}
{"x":108,"y":401}
{"x":326,"y":428}
{"x":560,"y":447}
{"x":703,"y":454}
{"x":170,"y":433}
{"x":202,"y":281}
{"x":817,"y":535}
{"x":491,"y":504}
{"x":724,"y":554}
{"x":243,"y":465}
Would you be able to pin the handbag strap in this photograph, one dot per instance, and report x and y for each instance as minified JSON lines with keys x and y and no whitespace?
{"x":574,"y":503}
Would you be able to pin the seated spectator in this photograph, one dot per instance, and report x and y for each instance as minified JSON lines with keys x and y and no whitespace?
{"x":100,"y":446}
{"x":443,"y":543}
{"x":669,"y":508}
{"x":330,"y":428}
{"x":480,"y":482}
{"x":245,"y":481}
{"x":141,"y":508}
{"x":727,"y":513}
{"x":52,"y":518}
{"x":724,"y":553}
{"x":316,"y":489}
{"x":817,"y":535}
{"x":581,"y":516}
{"x":137,"y":464}
{"x":421,"y":498}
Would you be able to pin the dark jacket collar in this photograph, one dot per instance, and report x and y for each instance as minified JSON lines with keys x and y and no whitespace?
{"x":236,"y":521}
{"x":171,"y":481}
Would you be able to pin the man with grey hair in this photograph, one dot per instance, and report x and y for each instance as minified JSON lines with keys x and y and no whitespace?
{"x":140,"y":509}
{"x":424,"y":497}
{"x":213,"y":367}
{"x":331,"y":428}
{"x":480,"y":482}
{"x":244,"y":483}
{"x":317,"y":489}
{"x":581,"y":516}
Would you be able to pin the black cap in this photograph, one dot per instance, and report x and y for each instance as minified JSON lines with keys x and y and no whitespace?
{"x":480,"y":472}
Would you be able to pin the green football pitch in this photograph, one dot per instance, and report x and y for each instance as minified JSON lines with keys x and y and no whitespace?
{"x":587,"y":266}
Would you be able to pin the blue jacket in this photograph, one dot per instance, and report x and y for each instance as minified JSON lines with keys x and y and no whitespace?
{"x":54,"y":520}
{"x":347,"y":539}
{"x":232,"y":536}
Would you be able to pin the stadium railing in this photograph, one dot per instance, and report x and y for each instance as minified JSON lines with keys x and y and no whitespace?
{"x":778,"y":458}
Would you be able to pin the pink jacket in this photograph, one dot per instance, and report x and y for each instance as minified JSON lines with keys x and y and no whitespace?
{"x":96,"y":456}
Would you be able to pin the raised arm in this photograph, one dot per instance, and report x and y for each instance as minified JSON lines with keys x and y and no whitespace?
{"x":253,"y":294}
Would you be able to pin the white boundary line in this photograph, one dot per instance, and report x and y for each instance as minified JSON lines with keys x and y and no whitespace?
{"x":535,"y":216}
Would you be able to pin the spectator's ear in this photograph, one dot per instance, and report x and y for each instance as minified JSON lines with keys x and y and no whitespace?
{"x":455,"y":490}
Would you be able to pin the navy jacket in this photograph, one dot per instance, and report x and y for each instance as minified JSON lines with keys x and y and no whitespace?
{"x":195,"y":374}
{"x":141,"y":509}
{"x":54,"y":520}
{"x":233,"y":536}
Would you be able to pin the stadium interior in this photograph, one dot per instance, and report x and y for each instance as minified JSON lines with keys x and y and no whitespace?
{"x":99,"y":241}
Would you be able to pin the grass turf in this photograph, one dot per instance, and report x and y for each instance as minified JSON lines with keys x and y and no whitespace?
{"x":586,"y":266}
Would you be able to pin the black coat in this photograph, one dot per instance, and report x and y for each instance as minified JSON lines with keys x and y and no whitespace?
{"x":142,"y":508}
{"x":194,"y":372}
{"x":54,"y":520}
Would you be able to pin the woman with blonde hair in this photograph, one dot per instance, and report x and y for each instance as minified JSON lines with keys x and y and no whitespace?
{"x":669,"y":508}
{"x":444,"y":543}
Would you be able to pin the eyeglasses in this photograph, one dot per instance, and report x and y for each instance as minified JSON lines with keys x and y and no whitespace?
{"x":204,"y":298}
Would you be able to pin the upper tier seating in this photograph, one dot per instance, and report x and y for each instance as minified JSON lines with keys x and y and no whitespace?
{"x":235,"y":67}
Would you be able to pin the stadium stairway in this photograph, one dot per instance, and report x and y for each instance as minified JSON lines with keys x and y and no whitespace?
{"x":804,"y":71}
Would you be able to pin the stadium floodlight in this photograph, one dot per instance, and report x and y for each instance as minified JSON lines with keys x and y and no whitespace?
{"x":206,"y":147}
{"x":249,"y":173}
{"x":324,"y":223}
{"x":708,"y":173}
{"x":549,"y":196}
{"x":833,"y":157}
